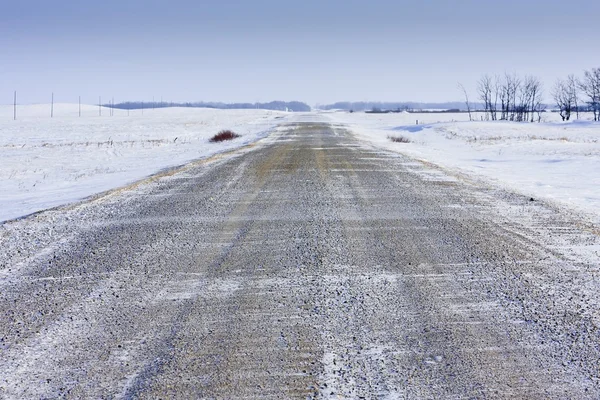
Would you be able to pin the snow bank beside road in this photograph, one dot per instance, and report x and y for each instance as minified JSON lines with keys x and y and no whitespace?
{"x":553,"y":160}
{"x":48,"y":162}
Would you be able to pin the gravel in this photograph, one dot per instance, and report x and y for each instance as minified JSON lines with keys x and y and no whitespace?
{"x":309,"y":266}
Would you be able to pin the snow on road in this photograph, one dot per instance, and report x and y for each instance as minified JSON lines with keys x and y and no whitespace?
{"x":48,"y":162}
{"x":554,"y":161}
{"x":313,"y":267}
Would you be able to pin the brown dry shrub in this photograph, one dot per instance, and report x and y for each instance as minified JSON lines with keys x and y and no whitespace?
{"x":224,"y":135}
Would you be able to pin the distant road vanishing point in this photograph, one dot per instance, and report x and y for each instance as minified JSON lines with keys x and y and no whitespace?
{"x":308,"y":265}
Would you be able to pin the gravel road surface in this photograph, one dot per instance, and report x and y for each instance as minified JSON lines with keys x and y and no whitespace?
{"x":310,"y":265}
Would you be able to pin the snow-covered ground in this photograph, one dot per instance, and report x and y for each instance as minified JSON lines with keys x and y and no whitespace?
{"x":554,"y":161}
{"x":48,"y":162}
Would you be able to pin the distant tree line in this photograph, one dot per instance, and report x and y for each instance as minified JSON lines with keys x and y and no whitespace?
{"x":392,"y":106}
{"x":376,"y":110}
{"x":509,"y":97}
{"x":295,"y":106}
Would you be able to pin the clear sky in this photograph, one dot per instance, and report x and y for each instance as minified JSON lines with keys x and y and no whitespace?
{"x":261,"y":50}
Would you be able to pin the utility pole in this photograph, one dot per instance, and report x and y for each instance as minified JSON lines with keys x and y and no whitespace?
{"x":80,"y":106}
{"x":52,"y":106}
{"x":99,"y":106}
{"x":15,"y":108}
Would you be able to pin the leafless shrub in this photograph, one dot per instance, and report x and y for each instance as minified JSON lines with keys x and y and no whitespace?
{"x":224,"y":135}
{"x":399,"y":139}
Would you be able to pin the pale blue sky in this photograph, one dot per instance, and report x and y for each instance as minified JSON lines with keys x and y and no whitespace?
{"x":261,"y":50}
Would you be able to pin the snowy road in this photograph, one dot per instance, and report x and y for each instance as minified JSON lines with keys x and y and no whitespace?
{"x":309,"y":266}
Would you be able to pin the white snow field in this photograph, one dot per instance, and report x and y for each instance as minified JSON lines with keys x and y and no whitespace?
{"x":47,"y":162}
{"x":555,"y":161}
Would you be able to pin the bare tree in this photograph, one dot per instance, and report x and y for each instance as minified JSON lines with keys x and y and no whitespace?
{"x":466,"y":100}
{"x":484,"y":89}
{"x":509,"y":88}
{"x":504,"y":99}
{"x":563,"y":97}
{"x":590,"y":85}
{"x":535,"y":94}
{"x":513,"y":84}
{"x":525,"y":95}
{"x":496,"y":93}
{"x":536,"y":99}
{"x":573,"y":86}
